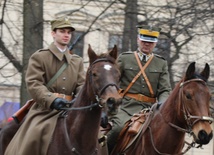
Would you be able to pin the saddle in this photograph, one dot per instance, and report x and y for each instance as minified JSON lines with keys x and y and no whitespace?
{"x":133,"y":128}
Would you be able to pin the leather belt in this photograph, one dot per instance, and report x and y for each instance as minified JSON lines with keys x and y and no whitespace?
{"x":67,"y":97}
{"x":141,"y":97}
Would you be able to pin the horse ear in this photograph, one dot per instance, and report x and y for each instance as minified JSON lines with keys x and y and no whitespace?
{"x":206,"y":72}
{"x":190,"y":71}
{"x":91,"y":54}
{"x":113,"y":52}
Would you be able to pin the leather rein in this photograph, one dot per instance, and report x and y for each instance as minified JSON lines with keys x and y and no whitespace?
{"x":97,"y":95}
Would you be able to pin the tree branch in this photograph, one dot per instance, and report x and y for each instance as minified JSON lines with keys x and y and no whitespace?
{"x":11,"y":58}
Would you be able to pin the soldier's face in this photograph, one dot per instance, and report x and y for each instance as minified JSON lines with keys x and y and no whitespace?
{"x":62,"y":36}
{"x":146,"y":47}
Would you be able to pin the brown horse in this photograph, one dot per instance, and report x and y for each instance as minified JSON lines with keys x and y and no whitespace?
{"x":185,"y":111}
{"x":77,"y":129}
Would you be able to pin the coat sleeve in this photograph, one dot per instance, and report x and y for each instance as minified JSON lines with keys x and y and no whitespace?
{"x":35,"y":81}
{"x":119,"y":62}
{"x":164,"y":86}
{"x":81,"y":77}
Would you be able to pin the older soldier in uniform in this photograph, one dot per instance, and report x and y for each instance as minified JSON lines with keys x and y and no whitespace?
{"x":141,"y":90}
{"x":34,"y":135}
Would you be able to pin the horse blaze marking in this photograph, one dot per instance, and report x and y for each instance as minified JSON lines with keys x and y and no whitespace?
{"x":107,"y":67}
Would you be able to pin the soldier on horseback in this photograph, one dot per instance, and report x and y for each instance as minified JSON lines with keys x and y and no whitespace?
{"x":144,"y":80}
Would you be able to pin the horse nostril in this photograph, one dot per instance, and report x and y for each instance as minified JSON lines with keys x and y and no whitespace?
{"x":204,"y":138}
{"x":110,"y":102}
{"x":119,"y":101}
{"x":211,"y":135}
{"x":112,"y":108}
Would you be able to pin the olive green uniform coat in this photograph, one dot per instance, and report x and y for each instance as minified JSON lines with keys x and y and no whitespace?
{"x":157,"y":73}
{"x":35,"y":133}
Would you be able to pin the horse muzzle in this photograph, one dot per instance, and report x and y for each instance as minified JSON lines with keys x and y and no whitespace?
{"x":202,"y":133}
{"x":203,"y":137}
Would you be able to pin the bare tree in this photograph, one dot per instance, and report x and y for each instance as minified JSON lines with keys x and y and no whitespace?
{"x":129,"y":41}
{"x":182,"y":23}
{"x":33,"y":36}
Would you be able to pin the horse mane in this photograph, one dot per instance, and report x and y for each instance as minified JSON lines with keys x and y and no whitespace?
{"x":170,"y":103}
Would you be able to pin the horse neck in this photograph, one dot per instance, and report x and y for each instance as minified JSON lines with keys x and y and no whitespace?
{"x":171,"y":110}
{"x":82,"y":121}
{"x":160,"y":126}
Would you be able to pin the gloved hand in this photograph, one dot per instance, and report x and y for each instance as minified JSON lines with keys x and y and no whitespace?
{"x":104,"y":120}
{"x":59,"y":103}
{"x":159,"y":104}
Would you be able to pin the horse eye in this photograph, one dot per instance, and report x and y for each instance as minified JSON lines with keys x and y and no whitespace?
{"x":94,"y":74}
{"x":188,"y":96}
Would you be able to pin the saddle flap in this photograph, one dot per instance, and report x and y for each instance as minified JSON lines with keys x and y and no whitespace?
{"x":131,"y":130}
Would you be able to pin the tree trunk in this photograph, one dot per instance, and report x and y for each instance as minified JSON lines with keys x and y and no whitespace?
{"x":129,"y":41}
{"x":33,"y":37}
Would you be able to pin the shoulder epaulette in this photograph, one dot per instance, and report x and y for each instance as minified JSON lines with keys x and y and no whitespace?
{"x":128,"y":52}
{"x":44,"y":49}
{"x":159,"y":56}
{"x":77,"y":56}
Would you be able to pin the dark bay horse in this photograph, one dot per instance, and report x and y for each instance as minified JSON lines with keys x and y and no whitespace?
{"x":185,"y":111}
{"x":78,"y":133}
{"x":77,"y":129}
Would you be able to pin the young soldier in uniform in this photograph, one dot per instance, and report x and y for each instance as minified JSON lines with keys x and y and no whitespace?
{"x":35,"y":133}
{"x":150,"y":87}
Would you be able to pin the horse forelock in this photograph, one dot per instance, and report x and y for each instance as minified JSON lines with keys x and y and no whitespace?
{"x":199,"y":76}
{"x":104,"y":56}
{"x":193,"y":73}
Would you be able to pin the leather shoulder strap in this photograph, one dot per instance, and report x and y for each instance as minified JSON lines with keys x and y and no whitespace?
{"x":137,"y":76}
{"x":57,"y":74}
{"x":130,"y":84}
{"x":142,"y":68}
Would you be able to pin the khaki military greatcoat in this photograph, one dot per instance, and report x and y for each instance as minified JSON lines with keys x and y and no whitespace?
{"x":34,"y":135}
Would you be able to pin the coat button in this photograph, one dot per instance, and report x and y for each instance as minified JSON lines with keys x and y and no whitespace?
{"x":63,"y":88}
{"x":64,"y":78}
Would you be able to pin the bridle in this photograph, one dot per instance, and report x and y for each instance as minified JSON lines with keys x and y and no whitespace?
{"x":97,"y":93}
{"x":188,"y":118}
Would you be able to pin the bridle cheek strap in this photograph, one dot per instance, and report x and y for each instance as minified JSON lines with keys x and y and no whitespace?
{"x":188,"y":117}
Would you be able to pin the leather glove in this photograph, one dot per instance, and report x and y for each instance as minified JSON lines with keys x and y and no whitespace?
{"x":159,"y":104}
{"x":59,"y":103}
{"x":104,"y":120}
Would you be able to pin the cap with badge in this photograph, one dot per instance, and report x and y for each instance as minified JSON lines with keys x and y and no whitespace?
{"x":61,"y":23}
{"x":148,"y":33}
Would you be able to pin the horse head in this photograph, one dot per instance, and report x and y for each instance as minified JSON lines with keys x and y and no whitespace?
{"x":194,"y":101}
{"x":104,"y":75}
